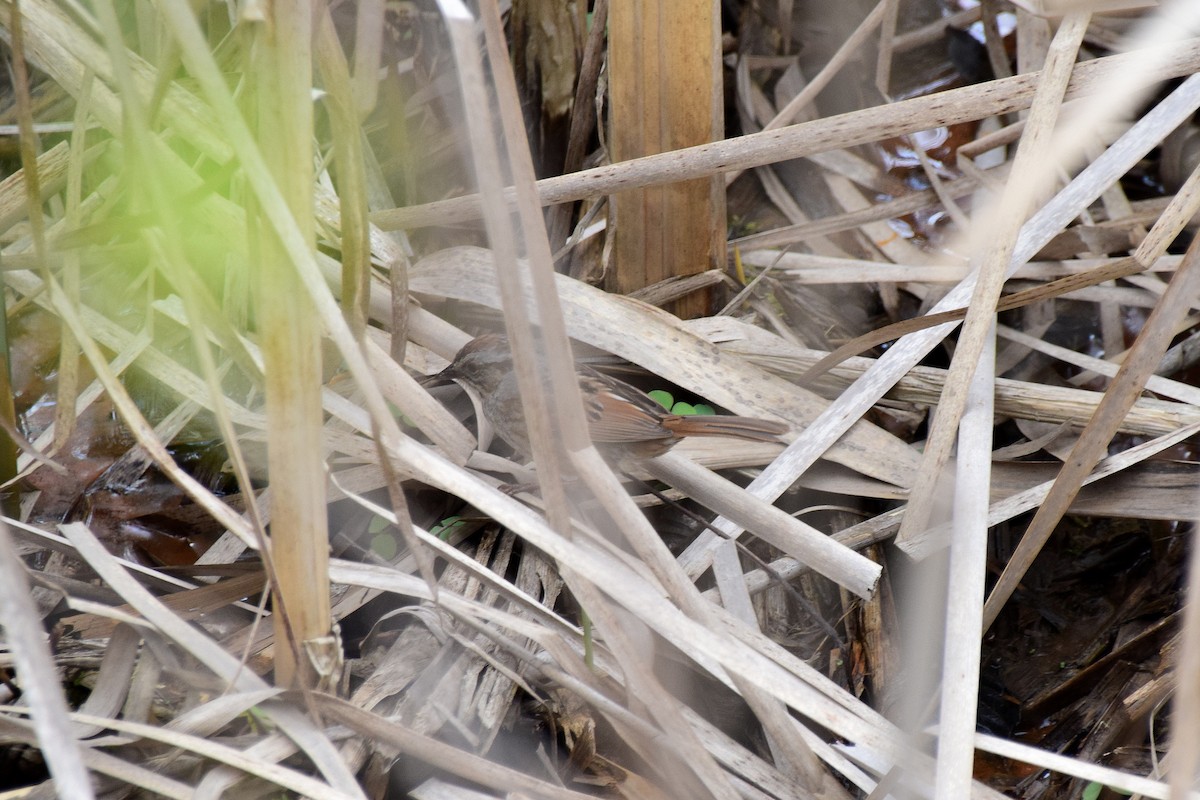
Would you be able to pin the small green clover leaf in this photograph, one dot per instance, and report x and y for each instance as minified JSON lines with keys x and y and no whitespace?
{"x":663,"y":398}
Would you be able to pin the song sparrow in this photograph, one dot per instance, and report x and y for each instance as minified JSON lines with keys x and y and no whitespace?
{"x":623,"y":422}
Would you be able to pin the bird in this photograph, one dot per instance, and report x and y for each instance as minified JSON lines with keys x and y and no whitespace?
{"x":624,"y":423}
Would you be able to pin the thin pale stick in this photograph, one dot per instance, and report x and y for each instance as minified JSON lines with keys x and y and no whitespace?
{"x":1185,"y":717}
{"x":797,"y":141}
{"x":965,"y":585}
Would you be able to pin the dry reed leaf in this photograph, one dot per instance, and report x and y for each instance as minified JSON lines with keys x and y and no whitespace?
{"x":188,"y":604}
{"x":454,"y":760}
{"x":113,"y":680}
{"x":224,"y":754}
{"x":704,"y":644}
{"x":52,"y":169}
{"x":1131,"y":379}
{"x":900,"y":358}
{"x":428,"y":415}
{"x":1119,"y":780}
{"x":171,"y":374}
{"x":889,"y":209}
{"x":1150,"y":489}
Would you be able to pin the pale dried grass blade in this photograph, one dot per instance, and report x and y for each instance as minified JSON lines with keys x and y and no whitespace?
{"x":558,"y":400}
{"x":431,"y":417}
{"x":1167,"y":387}
{"x":1171,"y":222}
{"x":691,"y":763}
{"x":883,"y":526}
{"x":1034,"y":401}
{"x":57,"y":45}
{"x":284,"y":777}
{"x":849,"y":49}
{"x":1106,"y":776}
{"x":52,"y":166}
{"x":890,"y":209}
{"x":459,"y":762}
{"x":187,"y":604}
{"x":343,"y":99}
{"x":111,"y":335}
{"x":103,"y":763}
{"x":717,"y":648}
{"x":39,"y":677}
{"x":68,"y":361}
{"x":112,"y":681}
{"x":785,"y":736}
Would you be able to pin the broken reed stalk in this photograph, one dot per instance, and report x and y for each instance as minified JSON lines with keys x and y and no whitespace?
{"x":665,"y":93}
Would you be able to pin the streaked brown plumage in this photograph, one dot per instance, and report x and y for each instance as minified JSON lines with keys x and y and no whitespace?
{"x":623,"y":421}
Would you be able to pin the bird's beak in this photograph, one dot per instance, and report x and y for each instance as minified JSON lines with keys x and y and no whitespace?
{"x":438,"y":378}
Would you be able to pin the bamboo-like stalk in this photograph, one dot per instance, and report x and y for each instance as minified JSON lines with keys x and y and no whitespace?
{"x":965,"y":584}
{"x":291,"y":348}
{"x":68,"y":357}
{"x":665,"y":93}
